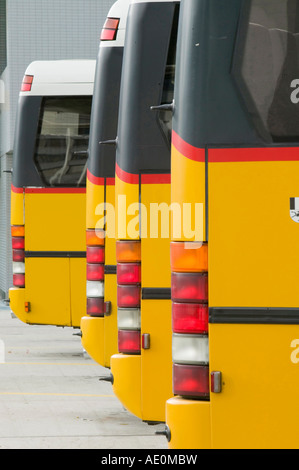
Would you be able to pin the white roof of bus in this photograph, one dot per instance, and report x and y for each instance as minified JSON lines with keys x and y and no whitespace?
{"x":62,"y":71}
{"x":57,"y":77}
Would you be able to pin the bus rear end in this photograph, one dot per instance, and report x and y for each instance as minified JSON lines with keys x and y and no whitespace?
{"x":99,"y":325}
{"x":235,"y":154}
{"x":142,"y":369}
{"x":48,"y":193}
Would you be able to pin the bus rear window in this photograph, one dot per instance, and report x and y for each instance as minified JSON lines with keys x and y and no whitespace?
{"x":165,"y":117}
{"x":62,"y":141}
{"x":267,"y":67}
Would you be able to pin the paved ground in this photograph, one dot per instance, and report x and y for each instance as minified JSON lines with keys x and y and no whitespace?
{"x":51,"y":396}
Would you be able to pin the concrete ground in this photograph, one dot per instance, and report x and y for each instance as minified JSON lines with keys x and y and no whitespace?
{"x":51,"y":396}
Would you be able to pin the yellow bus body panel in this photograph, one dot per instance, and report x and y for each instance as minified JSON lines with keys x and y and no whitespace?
{"x":155,"y":367}
{"x":47,"y":286}
{"x":78,"y":289}
{"x":92,"y":339}
{"x":253,"y":263}
{"x":102,"y":343}
{"x":253,"y":235}
{"x":156,"y":363}
{"x":55,"y":287}
{"x":55,"y":222}
{"x":189,"y":423}
{"x":126,"y":371}
{"x":95,"y":195}
{"x":17,"y":208}
{"x":126,"y":210}
{"x":110,"y":344}
{"x":187,"y":190}
{"x":257,"y":407}
{"x":17,"y":303}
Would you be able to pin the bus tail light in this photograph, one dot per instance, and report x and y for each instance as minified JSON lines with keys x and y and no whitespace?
{"x":129,"y":341}
{"x":18,"y":280}
{"x":190,"y":349}
{"x":128,"y":257}
{"x":18,"y":255}
{"x":190,"y":318}
{"x":128,"y":296}
{"x":27,"y":83}
{"x":110,"y":29}
{"x":191,"y":381}
{"x":189,"y":287}
{"x":95,"y":270}
{"x":190,"y":342}
{"x":189,"y":257}
{"x":128,"y":273}
{"x":128,"y":251}
{"x":128,"y":319}
{"x":95,"y":306}
{"x":95,"y":254}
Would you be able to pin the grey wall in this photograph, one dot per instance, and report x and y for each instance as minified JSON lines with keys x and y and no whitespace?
{"x":36,"y":30}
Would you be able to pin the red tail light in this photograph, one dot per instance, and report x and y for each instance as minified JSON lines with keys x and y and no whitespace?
{"x":18,"y":256}
{"x":19,"y":280}
{"x":95,"y":254}
{"x":191,"y":381}
{"x":128,"y":296}
{"x":190,"y":318}
{"x":129,"y":342}
{"x":18,"y":243}
{"x":95,"y":306}
{"x":27,"y":83}
{"x":95,"y":272}
{"x":128,"y":273}
{"x":191,"y":287}
{"x":109,"y":30}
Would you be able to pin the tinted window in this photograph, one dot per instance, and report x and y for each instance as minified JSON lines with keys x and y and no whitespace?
{"x":165,"y":117}
{"x":267,"y":67}
{"x":62,"y":142}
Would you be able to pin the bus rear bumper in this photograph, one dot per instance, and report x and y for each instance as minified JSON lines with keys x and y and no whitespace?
{"x":189,"y":423}
{"x":92,"y":329}
{"x":126,"y":371}
{"x":17,"y":303}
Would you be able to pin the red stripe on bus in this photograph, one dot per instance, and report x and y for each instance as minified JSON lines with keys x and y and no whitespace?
{"x":95,"y":179}
{"x":125,"y":176}
{"x":187,"y":150}
{"x":110,"y":181}
{"x":275,"y":154}
{"x":17,"y":190}
{"x":157,"y":178}
{"x":55,"y":190}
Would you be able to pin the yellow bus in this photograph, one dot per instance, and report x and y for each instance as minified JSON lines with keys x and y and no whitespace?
{"x":141,"y":371}
{"x":235,"y":159}
{"x":48,"y":193}
{"x":99,"y":325}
